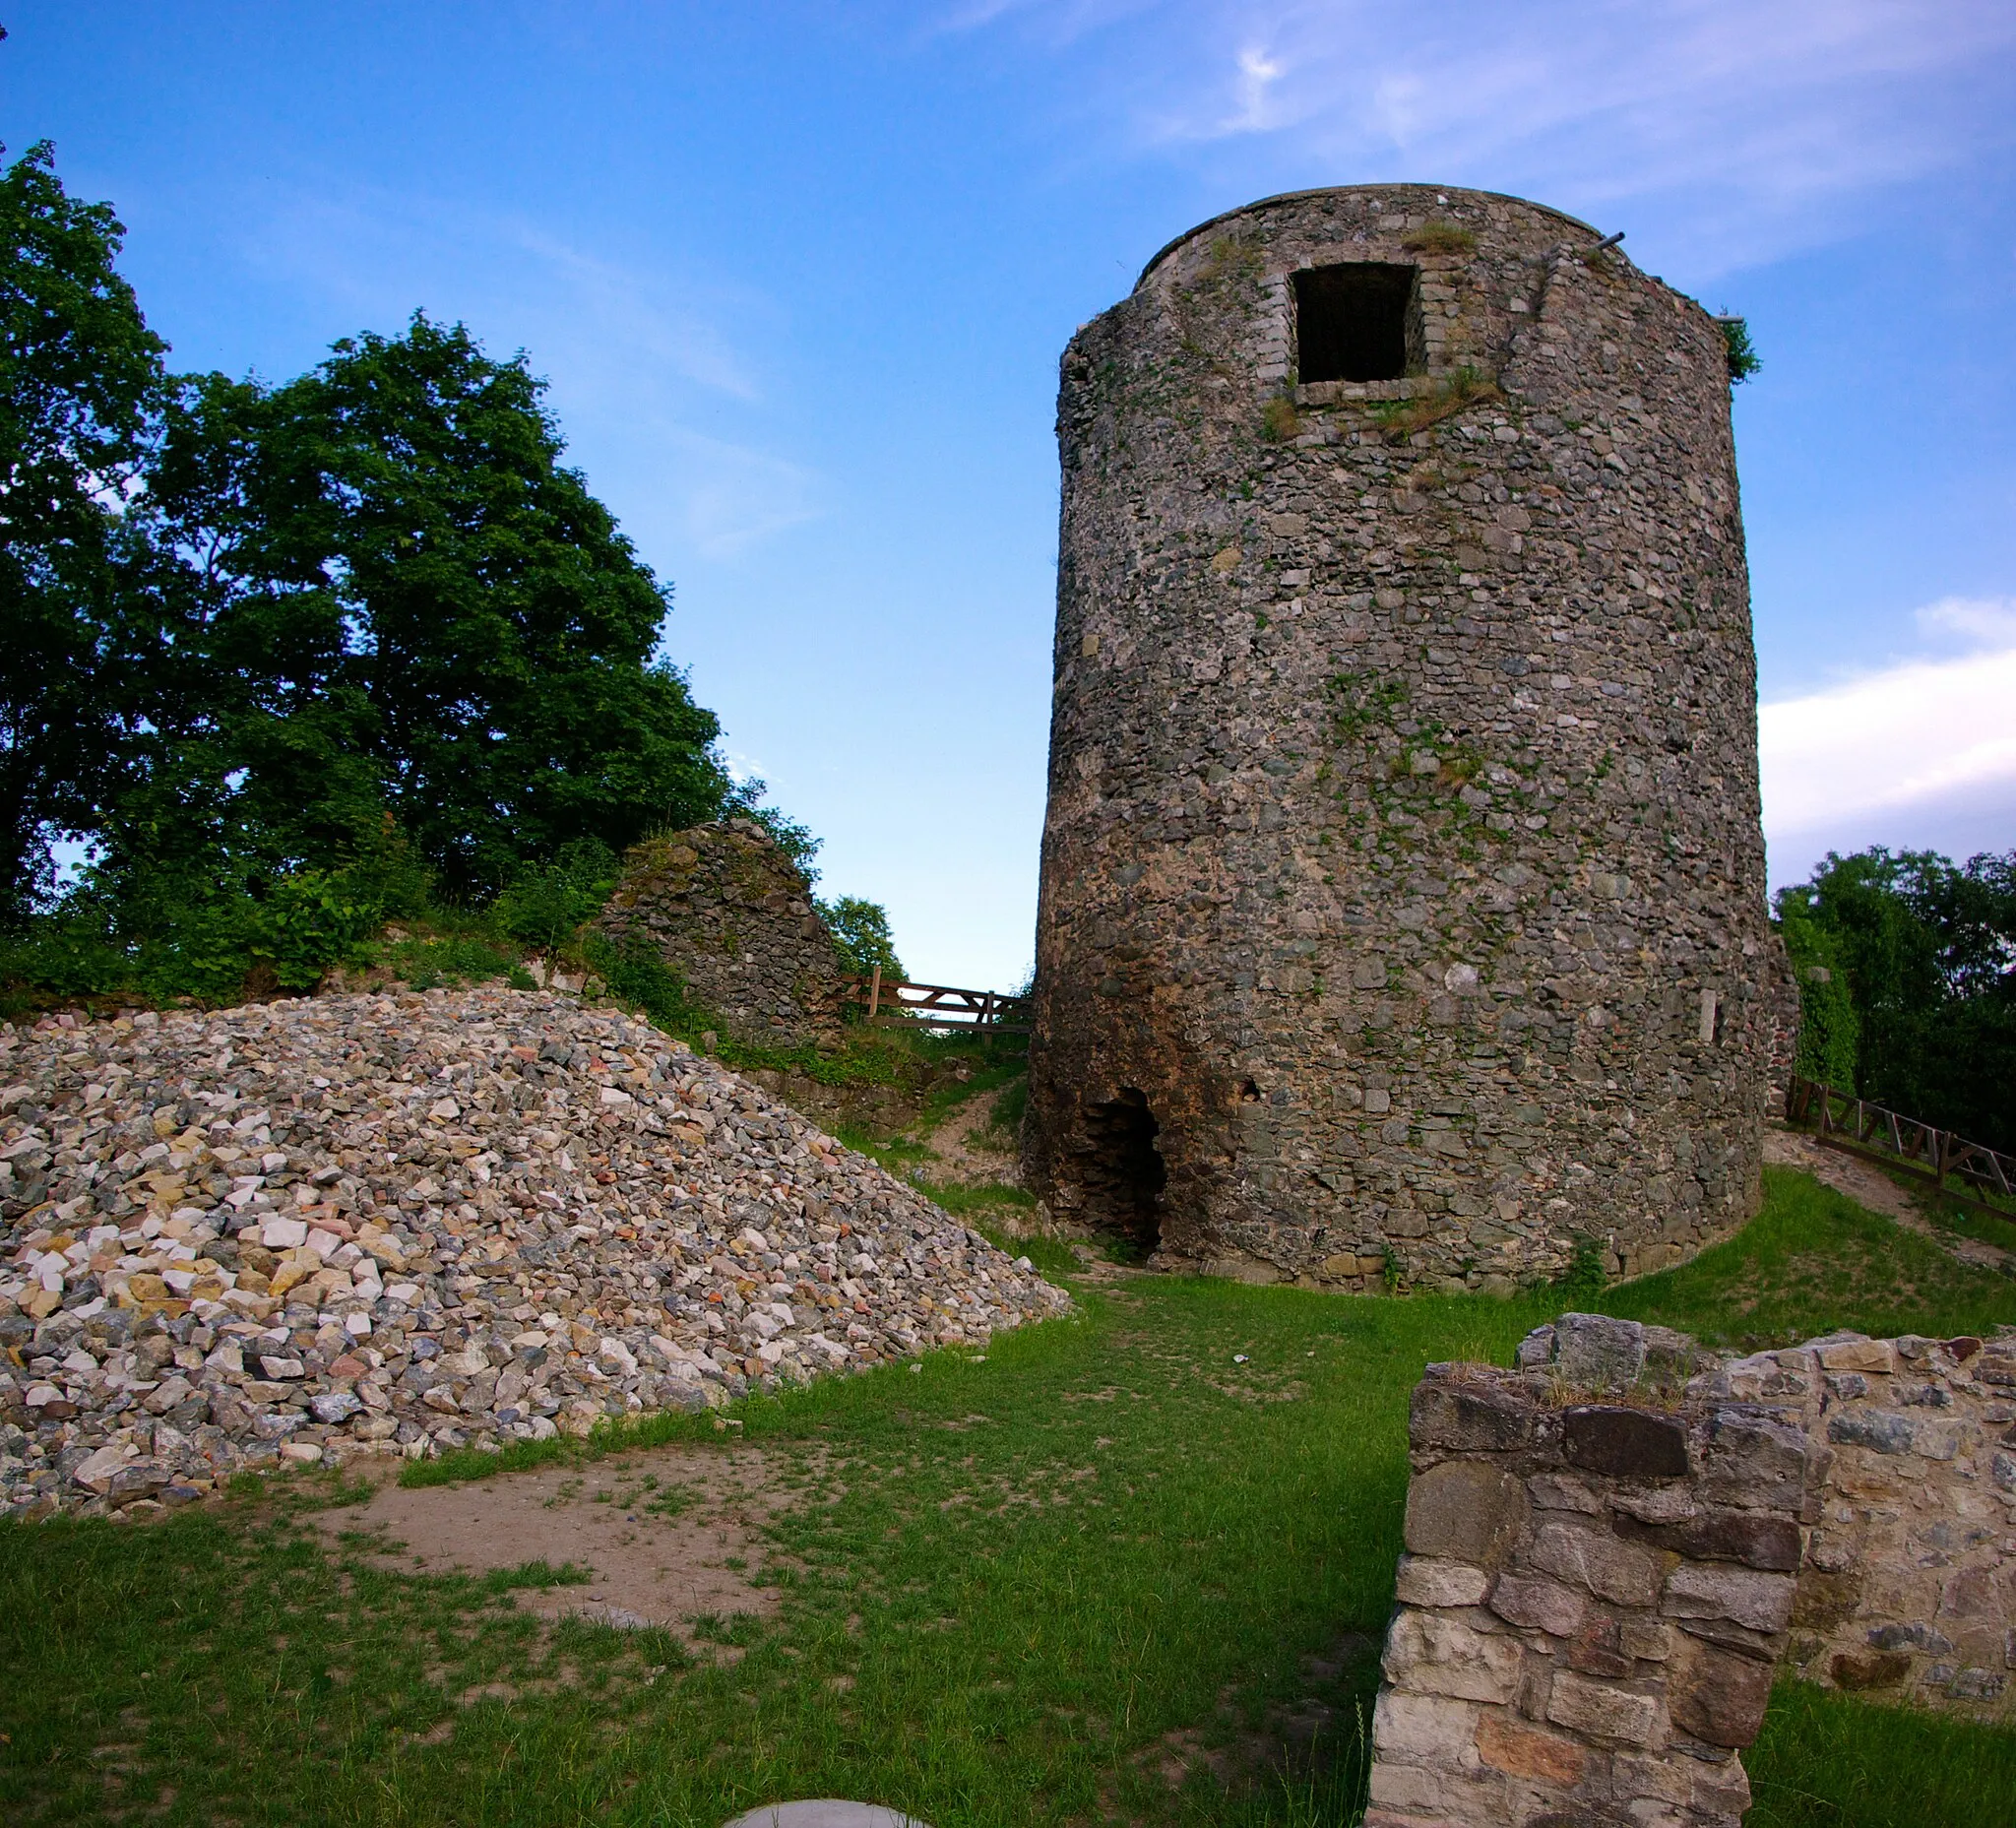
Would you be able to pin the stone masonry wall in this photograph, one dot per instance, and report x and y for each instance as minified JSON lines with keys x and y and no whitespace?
{"x":1402,"y":886}
{"x":1908,"y":1586}
{"x":733,"y":915}
{"x":1611,"y":1549}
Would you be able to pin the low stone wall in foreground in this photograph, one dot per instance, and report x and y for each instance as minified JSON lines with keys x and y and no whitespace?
{"x":1612,"y":1548}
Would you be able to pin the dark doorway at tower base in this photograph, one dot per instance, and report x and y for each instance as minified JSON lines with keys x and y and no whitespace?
{"x":1122,"y":1173}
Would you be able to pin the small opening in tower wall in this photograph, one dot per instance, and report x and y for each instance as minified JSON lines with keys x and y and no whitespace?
{"x":1123,"y":1172}
{"x":1361,"y":321}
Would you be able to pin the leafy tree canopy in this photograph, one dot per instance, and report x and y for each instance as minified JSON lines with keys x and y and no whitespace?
{"x":860,"y":931}
{"x":80,"y":383}
{"x":289,"y":658}
{"x":387,"y":592}
{"x":1926,"y":949}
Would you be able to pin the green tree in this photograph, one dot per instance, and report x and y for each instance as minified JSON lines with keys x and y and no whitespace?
{"x":1828,"y":1027}
{"x":1927,"y":948}
{"x":861,"y":931}
{"x":459,"y":632}
{"x":294,"y":658}
{"x":80,"y":390}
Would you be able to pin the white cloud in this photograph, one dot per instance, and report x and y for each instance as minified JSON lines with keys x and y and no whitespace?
{"x":1757,"y":127}
{"x":1258,"y":73}
{"x":1979,"y":621}
{"x":724,"y":499}
{"x":1923,"y":743}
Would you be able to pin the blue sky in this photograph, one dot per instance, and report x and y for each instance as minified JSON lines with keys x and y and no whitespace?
{"x":800,"y":275}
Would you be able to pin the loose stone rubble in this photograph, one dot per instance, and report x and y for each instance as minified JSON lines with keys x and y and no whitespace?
{"x":1612,"y":1548}
{"x":401,"y":1224}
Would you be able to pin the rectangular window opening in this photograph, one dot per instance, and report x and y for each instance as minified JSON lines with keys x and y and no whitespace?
{"x":1359,"y":321}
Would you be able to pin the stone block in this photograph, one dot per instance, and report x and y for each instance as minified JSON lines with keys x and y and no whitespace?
{"x":1598,"y":1649}
{"x":1882,"y":1432}
{"x":1857,"y":1670}
{"x":1624,"y":1573}
{"x":1468,"y":1417}
{"x":1756,"y":1542}
{"x":1506,"y":1745}
{"x":1910,"y":1530}
{"x":1441,"y":1797}
{"x":1624,"y":1444}
{"x":1913,"y":1634}
{"x":140,"y":1479}
{"x":1859,"y":1355}
{"x":1604,"y":1710}
{"x":1418,"y":1728}
{"x":1717,"y":1695}
{"x":1466,"y":1510}
{"x":1974,"y":1684}
{"x":1720,"y":1788}
{"x":1431,"y":1653}
{"x":1646,"y":1639}
{"x":1717,"y":1589}
{"x":1635,"y":1777}
{"x":1825,"y":1600}
{"x":1594,"y":1352}
{"x":1670,"y":1357}
{"x":1556,"y":1491}
{"x":1425,"y":1580}
{"x":1538,"y":1604}
{"x":1755,"y":1461}
{"x":1663,"y":1503}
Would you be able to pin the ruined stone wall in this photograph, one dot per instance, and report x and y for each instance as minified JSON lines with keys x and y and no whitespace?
{"x":1403,"y":891}
{"x":733,"y":915}
{"x":1908,"y":1587}
{"x":1611,"y":1550}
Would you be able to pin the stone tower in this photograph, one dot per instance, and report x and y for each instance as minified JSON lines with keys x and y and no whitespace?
{"x":1403,"y":908}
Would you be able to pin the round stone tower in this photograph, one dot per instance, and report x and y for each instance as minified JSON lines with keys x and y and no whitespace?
{"x":1403,"y":910}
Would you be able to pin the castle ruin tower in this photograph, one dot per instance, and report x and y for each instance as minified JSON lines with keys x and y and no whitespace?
{"x":1403,"y":908}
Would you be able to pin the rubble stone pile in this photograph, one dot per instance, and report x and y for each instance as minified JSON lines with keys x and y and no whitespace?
{"x":298,"y":1229}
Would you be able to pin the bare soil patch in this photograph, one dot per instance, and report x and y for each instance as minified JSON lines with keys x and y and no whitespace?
{"x":668,"y":1535}
{"x":969,"y":1151}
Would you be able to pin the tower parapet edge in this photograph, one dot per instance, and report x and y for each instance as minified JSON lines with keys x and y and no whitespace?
{"x":1403,"y":905}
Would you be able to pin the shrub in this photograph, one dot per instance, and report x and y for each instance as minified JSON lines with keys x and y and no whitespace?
{"x":636,"y":974}
{"x":1587,"y":1270}
{"x":544,"y":903}
{"x":1441,"y":238}
{"x":1743,"y":359}
{"x":1280,"y":423}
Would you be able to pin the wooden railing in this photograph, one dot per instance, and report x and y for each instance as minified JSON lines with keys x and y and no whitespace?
{"x":1861,"y":1128}
{"x":939,"y":1005}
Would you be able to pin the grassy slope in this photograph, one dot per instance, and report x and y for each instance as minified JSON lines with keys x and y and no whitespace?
{"x":1812,"y":1261}
{"x":1009,"y":1578}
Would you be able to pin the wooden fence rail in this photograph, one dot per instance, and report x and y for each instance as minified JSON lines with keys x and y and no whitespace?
{"x":939,"y":1005}
{"x":1859,"y":1127}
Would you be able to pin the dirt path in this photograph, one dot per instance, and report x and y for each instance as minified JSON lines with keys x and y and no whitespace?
{"x":666,"y":1533}
{"x":965,"y":1161}
{"x":1869,"y":1186}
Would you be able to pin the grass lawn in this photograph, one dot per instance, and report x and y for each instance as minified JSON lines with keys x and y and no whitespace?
{"x":1028,"y":1586}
